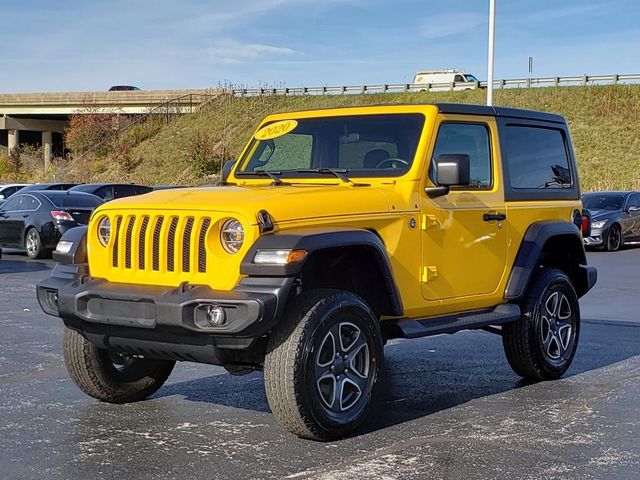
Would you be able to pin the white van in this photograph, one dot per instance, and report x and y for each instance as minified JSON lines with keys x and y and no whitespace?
{"x":443,"y":80}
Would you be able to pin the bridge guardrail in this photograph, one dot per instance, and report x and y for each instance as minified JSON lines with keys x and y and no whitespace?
{"x":583,"y":80}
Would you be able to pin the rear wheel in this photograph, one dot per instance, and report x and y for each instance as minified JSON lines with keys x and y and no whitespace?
{"x":110,"y":376}
{"x":614,"y":238}
{"x":323,"y":364}
{"x":542,"y":344}
{"x":33,"y":244}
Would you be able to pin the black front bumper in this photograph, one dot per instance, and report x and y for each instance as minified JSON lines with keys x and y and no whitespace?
{"x":163,"y":322}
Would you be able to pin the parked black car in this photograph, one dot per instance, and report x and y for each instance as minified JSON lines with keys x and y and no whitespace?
{"x":110,"y":191}
{"x":35,"y":221}
{"x":615,"y":218}
{"x":38,"y":187}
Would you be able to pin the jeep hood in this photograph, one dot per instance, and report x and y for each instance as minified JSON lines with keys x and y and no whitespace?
{"x":284,"y":203}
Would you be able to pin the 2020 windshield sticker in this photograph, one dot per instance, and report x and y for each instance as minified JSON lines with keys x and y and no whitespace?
{"x":275,"y":130}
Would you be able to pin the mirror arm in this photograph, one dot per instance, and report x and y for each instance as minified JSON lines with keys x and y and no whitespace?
{"x":434,"y":192}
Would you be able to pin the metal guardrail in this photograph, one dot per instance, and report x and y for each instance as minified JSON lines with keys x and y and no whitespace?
{"x":583,"y":80}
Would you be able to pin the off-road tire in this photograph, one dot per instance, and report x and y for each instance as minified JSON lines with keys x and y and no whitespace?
{"x":94,"y":371}
{"x":292,"y":363}
{"x":524,"y":340}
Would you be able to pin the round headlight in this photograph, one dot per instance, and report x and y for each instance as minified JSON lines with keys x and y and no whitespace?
{"x":232,"y":235}
{"x":104,"y":231}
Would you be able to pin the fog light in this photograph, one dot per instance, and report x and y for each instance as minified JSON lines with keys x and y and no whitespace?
{"x":216,"y":315}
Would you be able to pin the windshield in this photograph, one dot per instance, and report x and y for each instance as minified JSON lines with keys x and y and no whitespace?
{"x":603,"y":202}
{"x":361,"y":146}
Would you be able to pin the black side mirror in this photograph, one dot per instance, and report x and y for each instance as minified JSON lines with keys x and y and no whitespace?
{"x":226,"y":171}
{"x":451,"y":170}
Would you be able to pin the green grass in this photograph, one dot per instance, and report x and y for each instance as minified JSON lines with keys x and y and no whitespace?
{"x":604,"y":122}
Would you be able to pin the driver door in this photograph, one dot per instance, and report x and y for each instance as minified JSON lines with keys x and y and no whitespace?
{"x":464,"y":237}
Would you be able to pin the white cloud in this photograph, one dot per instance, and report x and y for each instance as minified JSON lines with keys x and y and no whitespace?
{"x":447,"y":24}
{"x":232,"y":51}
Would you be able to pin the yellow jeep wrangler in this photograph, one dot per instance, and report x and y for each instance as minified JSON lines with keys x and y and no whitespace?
{"x":335,"y":231}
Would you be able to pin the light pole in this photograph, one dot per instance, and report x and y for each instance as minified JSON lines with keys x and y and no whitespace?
{"x":492,"y":35}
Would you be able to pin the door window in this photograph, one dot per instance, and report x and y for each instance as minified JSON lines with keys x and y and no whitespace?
{"x":470,"y":139}
{"x":634,"y":201}
{"x":12,"y":205}
{"x":105,"y":193}
{"x":120,"y":191}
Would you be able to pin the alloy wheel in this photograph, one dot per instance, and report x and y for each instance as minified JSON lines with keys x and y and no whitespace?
{"x":614,"y":239}
{"x":342,"y":367}
{"x":32,"y":243}
{"x":556,"y":326}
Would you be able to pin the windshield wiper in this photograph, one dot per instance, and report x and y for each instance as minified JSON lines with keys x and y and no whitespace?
{"x":272,"y":175}
{"x":337,"y":172}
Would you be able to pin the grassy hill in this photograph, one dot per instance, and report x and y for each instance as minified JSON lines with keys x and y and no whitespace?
{"x":604,"y":121}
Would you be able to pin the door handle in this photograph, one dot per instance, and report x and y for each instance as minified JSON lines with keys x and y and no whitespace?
{"x":492,"y":217}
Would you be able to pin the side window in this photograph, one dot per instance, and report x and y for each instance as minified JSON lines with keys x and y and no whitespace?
{"x":471,"y":139}
{"x":105,"y":193}
{"x":634,"y":201}
{"x":120,"y":191}
{"x":140,"y":190}
{"x":12,"y":205}
{"x":536,"y":157}
{"x":459,"y":78}
{"x":29,"y":203}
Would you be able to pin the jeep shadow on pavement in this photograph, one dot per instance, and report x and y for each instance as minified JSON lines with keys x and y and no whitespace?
{"x":337,"y":231}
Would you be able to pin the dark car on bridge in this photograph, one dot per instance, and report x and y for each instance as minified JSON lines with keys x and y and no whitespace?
{"x":124,"y":88}
{"x":35,"y":221}
{"x":111,"y":191}
{"x":615,"y":219}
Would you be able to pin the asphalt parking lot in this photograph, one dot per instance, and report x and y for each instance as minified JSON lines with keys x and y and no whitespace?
{"x":451,"y":408}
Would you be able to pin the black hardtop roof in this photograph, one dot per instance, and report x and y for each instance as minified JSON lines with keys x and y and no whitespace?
{"x":463,"y":108}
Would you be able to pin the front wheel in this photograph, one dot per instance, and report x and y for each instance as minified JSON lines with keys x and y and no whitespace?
{"x":110,"y":376}
{"x":542,"y":343}
{"x":614,"y":238}
{"x":323,"y":364}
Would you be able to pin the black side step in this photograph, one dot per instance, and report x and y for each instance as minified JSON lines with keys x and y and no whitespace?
{"x":506,"y":313}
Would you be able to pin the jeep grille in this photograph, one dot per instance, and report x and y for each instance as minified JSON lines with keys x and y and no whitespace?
{"x":174,"y":247}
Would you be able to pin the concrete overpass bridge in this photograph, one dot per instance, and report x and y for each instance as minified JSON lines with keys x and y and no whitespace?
{"x":41,"y":118}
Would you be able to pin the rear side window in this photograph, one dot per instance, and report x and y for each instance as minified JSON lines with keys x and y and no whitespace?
{"x":120,"y":191}
{"x":537,"y":158}
{"x":29,"y":203}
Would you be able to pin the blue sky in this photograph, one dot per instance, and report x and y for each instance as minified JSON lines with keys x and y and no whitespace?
{"x":74,"y":45}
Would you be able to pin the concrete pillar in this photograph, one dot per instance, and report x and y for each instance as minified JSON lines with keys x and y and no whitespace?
{"x":13,"y":140}
{"x":47,"y":148}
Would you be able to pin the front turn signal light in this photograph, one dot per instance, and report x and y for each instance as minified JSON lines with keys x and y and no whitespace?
{"x":279,"y":257}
